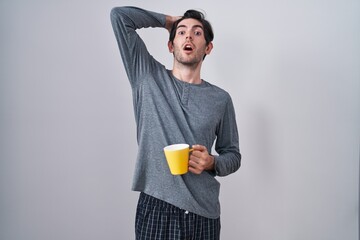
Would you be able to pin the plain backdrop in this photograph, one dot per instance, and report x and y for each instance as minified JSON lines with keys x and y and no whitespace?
{"x":67,"y":131}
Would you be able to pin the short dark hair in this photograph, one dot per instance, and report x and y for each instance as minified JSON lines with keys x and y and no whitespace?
{"x":208,"y":32}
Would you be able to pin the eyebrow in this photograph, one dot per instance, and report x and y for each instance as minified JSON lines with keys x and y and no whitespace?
{"x":195,"y":26}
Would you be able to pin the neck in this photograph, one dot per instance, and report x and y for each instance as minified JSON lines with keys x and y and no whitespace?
{"x":187,"y":74}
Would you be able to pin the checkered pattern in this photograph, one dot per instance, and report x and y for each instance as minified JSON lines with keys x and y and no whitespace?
{"x":156,"y":219}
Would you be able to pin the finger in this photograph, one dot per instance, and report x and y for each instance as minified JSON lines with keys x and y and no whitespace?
{"x":198,"y":147}
{"x":199,"y":154}
{"x":194,"y":170}
{"x":197,"y":164}
{"x":196,"y":154}
{"x":199,"y":150}
{"x":197,"y":157}
{"x":193,"y":163}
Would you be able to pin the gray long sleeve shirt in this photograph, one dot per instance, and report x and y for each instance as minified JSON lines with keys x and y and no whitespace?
{"x":168,"y":111}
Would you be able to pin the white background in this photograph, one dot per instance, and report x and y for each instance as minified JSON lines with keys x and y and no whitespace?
{"x":67,"y":136}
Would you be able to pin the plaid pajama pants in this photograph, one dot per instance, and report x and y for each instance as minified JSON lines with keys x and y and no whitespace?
{"x":156,"y":219}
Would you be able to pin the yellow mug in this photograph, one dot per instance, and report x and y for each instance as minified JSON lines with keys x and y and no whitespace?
{"x":177,"y":157}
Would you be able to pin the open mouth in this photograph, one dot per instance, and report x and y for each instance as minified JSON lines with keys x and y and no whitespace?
{"x":188,"y":47}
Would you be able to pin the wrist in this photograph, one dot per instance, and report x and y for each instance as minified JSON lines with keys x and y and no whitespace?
{"x":170,"y":21}
{"x":211,"y":165}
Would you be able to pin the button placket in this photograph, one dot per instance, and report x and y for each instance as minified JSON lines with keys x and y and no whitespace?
{"x":185,"y":96}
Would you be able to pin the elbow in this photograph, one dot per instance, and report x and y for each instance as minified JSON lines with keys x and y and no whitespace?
{"x":117,"y":13}
{"x":114,"y":13}
{"x":238,"y":162}
{"x":230,"y":165}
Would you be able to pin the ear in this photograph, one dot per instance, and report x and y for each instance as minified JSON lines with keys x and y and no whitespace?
{"x":170,"y":47}
{"x":208,"y":48}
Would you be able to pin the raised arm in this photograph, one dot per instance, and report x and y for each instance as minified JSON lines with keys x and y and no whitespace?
{"x":125,"y":21}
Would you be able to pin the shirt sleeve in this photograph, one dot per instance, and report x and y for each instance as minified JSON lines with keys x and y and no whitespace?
{"x":227,"y":143}
{"x":125,"y":21}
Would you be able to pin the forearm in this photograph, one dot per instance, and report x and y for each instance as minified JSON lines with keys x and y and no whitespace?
{"x":136,"y":18}
{"x":227,"y":143}
{"x":227,"y":163}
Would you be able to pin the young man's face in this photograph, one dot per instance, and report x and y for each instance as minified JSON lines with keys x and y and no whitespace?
{"x":189,"y":45}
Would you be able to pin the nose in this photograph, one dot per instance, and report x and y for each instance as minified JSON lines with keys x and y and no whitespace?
{"x":189,"y":35}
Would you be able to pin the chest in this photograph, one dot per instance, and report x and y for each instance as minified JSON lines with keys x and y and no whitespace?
{"x":166,"y":103}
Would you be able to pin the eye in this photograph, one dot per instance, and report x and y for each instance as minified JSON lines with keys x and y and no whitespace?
{"x":181,"y":32}
{"x":198,"y":33}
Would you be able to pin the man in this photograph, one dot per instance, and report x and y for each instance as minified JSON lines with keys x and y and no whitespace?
{"x":176,"y":106}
